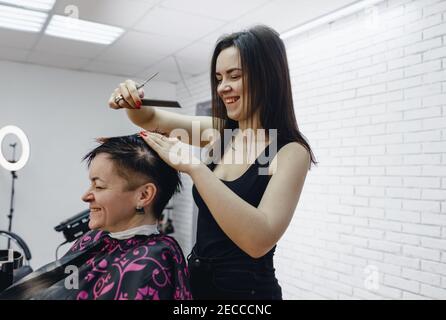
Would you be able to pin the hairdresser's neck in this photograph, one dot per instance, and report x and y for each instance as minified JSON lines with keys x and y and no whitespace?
{"x":252,"y":122}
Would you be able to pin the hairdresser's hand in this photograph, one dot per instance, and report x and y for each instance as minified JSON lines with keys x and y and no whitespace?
{"x":175,"y":153}
{"x":131,"y":96}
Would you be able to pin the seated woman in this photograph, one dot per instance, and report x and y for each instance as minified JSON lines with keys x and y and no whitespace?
{"x":124,"y":256}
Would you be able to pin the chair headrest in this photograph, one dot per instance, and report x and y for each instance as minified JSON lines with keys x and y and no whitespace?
{"x":19,"y":241}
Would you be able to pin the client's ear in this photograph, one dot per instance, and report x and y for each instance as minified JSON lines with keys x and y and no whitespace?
{"x":147,"y":194}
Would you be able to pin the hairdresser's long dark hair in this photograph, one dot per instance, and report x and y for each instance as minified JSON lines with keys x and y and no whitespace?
{"x":266,"y":80}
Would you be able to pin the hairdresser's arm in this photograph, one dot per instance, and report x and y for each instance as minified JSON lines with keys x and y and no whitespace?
{"x":156,"y":119}
{"x":257,"y":230}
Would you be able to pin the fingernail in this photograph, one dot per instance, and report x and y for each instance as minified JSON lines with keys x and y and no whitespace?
{"x":143,"y":133}
{"x":138,"y":104}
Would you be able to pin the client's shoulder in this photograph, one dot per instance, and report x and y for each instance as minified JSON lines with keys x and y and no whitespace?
{"x":86,"y":239}
{"x":161,"y":243}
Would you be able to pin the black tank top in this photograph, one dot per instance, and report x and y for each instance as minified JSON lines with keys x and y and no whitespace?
{"x":212,"y":242}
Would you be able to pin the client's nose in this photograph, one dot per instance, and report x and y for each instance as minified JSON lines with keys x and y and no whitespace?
{"x":87,"y":197}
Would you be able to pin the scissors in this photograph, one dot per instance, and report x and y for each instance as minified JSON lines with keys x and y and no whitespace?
{"x":139,"y":86}
{"x":144,"y":83}
{"x":152,"y":102}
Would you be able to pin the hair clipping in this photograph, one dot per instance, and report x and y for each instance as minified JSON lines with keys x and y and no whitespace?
{"x":101,"y":139}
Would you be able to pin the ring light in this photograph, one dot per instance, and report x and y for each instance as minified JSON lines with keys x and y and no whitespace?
{"x":15,"y":166}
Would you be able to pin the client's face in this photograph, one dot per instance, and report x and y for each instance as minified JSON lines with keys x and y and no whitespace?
{"x":111,"y":207}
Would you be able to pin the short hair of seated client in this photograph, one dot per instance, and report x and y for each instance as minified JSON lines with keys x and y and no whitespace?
{"x":130,"y":184}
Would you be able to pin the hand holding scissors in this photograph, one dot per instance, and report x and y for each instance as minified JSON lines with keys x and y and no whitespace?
{"x":129,"y":94}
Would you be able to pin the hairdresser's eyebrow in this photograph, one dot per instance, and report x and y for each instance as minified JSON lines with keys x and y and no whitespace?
{"x":229,"y":71}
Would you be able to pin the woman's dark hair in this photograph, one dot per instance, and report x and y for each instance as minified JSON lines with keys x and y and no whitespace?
{"x":266,"y":80}
{"x":138,"y":163}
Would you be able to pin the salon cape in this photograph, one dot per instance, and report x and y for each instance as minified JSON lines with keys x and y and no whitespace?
{"x":136,"y":264}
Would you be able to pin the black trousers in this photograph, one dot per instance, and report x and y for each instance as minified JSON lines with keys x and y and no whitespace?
{"x":232,"y":279}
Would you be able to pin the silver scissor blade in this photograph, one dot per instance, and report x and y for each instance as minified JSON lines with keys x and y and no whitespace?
{"x":144,"y":83}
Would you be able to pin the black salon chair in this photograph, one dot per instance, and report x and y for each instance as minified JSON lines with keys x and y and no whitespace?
{"x":23,"y":268}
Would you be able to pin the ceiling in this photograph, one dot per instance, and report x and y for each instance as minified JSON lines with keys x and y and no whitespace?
{"x":174,"y":37}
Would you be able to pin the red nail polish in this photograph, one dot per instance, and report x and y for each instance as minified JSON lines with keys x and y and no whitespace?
{"x":143,"y":134}
{"x":138,"y":104}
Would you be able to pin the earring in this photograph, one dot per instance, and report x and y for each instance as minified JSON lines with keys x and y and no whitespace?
{"x":139,"y":210}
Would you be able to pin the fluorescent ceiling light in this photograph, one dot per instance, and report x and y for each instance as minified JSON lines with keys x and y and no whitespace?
{"x":45,"y":5}
{"x":76,"y":29}
{"x":337,"y":14}
{"x":21,"y":19}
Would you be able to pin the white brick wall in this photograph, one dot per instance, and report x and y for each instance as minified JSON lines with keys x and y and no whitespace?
{"x":373,"y":105}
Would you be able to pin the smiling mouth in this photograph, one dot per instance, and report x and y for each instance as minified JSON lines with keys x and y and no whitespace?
{"x":231,"y":100}
{"x":93,"y":210}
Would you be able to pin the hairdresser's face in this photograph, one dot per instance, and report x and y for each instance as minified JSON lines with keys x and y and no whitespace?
{"x":229,"y":77}
{"x":111,"y":207}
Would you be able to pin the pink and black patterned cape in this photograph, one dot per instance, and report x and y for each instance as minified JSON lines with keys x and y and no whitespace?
{"x":140,"y":268}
